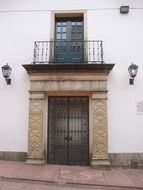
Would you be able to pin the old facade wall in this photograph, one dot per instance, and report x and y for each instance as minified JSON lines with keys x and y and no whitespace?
{"x":24,"y":22}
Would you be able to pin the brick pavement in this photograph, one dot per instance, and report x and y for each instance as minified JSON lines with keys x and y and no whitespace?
{"x":72,"y":175}
{"x":26,"y":185}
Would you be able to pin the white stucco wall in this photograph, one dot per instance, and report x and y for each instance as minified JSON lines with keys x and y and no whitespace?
{"x":123,"y":44}
{"x":23,"y":22}
{"x":17,"y":35}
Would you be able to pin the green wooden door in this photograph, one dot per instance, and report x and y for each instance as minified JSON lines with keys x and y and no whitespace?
{"x":69,"y":40}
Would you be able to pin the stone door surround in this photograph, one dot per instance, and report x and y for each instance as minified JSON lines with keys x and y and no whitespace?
{"x":69,"y":79}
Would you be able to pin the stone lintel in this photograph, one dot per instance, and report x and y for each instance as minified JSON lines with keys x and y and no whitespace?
{"x":68,"y":77}
{"x":72,"y":85}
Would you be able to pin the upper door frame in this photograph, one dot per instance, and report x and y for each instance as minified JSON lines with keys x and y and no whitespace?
{"x":65,"y":14}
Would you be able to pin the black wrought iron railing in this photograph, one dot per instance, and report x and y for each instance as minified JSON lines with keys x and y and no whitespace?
{"x":68,"y":52}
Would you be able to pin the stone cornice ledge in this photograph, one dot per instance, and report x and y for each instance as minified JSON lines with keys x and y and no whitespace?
{"x":68,"y":68}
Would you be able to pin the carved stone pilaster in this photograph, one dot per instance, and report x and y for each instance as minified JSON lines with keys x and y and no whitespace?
{"x":35,"y":137}
{"x":100,"y":156}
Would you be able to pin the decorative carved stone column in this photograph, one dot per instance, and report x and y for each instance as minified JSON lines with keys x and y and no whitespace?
{"x":35,"y":138}
{"x":100,"y":156}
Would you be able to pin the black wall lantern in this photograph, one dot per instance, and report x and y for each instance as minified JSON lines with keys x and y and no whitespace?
{"x":133,"y":72}
{"x":6,"y":71}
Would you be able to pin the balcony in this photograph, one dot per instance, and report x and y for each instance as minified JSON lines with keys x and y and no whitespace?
{"x":68,"y":52}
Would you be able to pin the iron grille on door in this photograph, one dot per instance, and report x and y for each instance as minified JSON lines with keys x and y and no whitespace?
{"x":68,"y":130}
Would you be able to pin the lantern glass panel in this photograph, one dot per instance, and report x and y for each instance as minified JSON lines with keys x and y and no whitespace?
{"x":6,"y":70}
{"x":133,"y":70}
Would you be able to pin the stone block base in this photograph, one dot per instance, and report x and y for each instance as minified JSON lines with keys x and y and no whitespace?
{"x":35,"y":161}
{"x":100,"y":163}
{"x":128,"y":160}
{"x":13,"y":156}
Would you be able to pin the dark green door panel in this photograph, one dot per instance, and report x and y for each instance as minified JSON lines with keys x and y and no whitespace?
{"x":69,"y":40}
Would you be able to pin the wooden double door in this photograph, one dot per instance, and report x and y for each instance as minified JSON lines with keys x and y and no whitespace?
{"x":69,"y":44}
{"x":68,"y":134}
